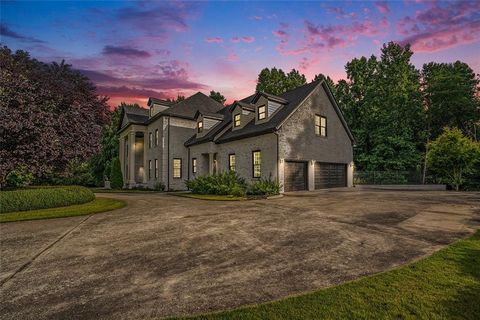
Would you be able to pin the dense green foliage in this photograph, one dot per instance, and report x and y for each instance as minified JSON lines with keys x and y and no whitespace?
{"x":19,"y":177}
{"x":452,"y":157}
{"x":230,"y":183}
{"x":116,"y":177}
{"x":217,"y":96}
{"x":275,"y":81}
{"x":224,"y":183}
{"x":381,"y":102}
{"x":96,"y":206}
{"x":443,"y":286}
{"x":450,"y":92}
{"x":41,"y":198}
{"x":266,"y":187}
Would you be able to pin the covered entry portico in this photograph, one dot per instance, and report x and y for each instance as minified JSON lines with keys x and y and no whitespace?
{"x":134,"y":162}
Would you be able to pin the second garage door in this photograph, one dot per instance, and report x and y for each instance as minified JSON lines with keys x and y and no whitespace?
{"x":330,"y":175}
{"x":295,"y":176}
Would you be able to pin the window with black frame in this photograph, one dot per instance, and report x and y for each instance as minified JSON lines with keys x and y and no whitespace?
{"x":257,"y":164}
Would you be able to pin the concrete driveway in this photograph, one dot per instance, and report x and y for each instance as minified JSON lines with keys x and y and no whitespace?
{"x":165,"y":255}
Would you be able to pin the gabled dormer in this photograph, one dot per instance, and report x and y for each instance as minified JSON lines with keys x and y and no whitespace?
{"x":206,"y":121}
{"x":242,"y":114}
{"x":157,"y":105}
{"x":266,"y":106}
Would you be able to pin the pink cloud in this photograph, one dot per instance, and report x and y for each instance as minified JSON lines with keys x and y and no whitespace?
{"x":214,"y":40}
{"x":248,"y":39}
{"x":235,"y":39}
{"x":441,"y":26}
{"x":431,"y":41}
{"x":279,"y":33}
{"x":382,"y":6}
{"x":232,"y":56}
{"x":306,"y":63}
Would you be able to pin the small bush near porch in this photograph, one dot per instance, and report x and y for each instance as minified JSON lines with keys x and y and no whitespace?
{"x":225,"y":183}
{"x":230,"y":183}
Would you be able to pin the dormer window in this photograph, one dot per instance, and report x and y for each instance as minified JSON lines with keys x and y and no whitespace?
{"x":262,"y":112}
{"x":200,"y":126}
{"x":236,"y":120}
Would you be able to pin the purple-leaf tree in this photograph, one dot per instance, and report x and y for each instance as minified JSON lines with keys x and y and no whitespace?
{"x":50,"y":115}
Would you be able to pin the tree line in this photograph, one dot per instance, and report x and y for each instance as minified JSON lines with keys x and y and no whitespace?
{"x":55,"y":129}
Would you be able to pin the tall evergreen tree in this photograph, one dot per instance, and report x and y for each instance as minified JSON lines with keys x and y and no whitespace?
{"x":450,"y":92}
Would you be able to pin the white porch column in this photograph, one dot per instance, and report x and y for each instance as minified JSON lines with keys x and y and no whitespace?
{"x":210,"y":163}
{"x":131,"y":158}
{"x":350,"y":167}
{"x":311,"y":175}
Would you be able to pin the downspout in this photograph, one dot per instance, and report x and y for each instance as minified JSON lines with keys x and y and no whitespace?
{"x":278,"y":157}
{"x":168,"y":156}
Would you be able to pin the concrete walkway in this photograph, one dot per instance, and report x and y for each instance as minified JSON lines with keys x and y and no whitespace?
{"x":164,"y":255}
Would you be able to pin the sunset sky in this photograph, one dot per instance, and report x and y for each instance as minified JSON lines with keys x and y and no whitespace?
{"x":133,"y":50}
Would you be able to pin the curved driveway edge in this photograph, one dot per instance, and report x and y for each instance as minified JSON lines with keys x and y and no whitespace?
{"x":163,"y":256}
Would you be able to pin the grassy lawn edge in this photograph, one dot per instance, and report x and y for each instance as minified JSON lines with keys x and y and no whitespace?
{"x":445,"y":285}
{"x":96,"y":206}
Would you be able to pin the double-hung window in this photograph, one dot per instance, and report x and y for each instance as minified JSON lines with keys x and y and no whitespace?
{"x":257,"y":164}
{"x":149,"y":169}
{"x":156,"y":137}
{"x":156,"y":168}
{"x":320,"y":126}
{"x":177,"y":168}
{"x":194,"y":165}
{"x":200,"y":126}
{"x":236,"y":120}
{"x":231,"y":162}
{"x":262,"y":112}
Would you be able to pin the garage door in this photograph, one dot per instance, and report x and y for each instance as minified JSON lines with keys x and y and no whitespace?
{"x":295,"y":176}
{"x":330,"y":175}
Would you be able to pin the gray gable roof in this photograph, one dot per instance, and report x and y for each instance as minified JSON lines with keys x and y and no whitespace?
{"x":189,"y":107}
{"x":293,"y":99}
{"x":134,"y":115}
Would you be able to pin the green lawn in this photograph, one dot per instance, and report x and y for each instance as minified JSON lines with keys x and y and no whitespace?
{"x":443,"y":286}
{"x":207,"y":196}
{"x":95,"y":206}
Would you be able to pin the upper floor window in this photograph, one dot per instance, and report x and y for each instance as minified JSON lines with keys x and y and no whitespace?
{"x":156,"y":137}
{"x":320,"y":126}
{"x":200,"y":126}
{"x":194,"y":165}
{"x":257,"y":164}
{"x":262,"y":112}
{"x":177,"y":168}
{"x":231,"y":162}
{"x":149,"y":139}
{"x":236,"y":120}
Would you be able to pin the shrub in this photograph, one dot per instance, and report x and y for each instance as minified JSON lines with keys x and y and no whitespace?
{"x":225,"y":183}
{"x":266,"y":187}
{"x":18,"y":178}
{"x":452,"y":157}
{"x":116,"y":178}
{"x":43,"y":198}
{"x":159,"y":186}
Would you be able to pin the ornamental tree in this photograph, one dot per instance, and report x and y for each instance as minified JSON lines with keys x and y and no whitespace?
{"x":452,"y":156}
{"x":50,"y":115}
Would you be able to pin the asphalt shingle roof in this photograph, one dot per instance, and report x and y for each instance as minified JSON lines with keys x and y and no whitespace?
{"x":189,"y":107}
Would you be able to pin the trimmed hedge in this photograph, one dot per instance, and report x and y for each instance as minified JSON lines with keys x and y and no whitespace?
{"x":224,"y":183}
{"x":43,"y":198}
